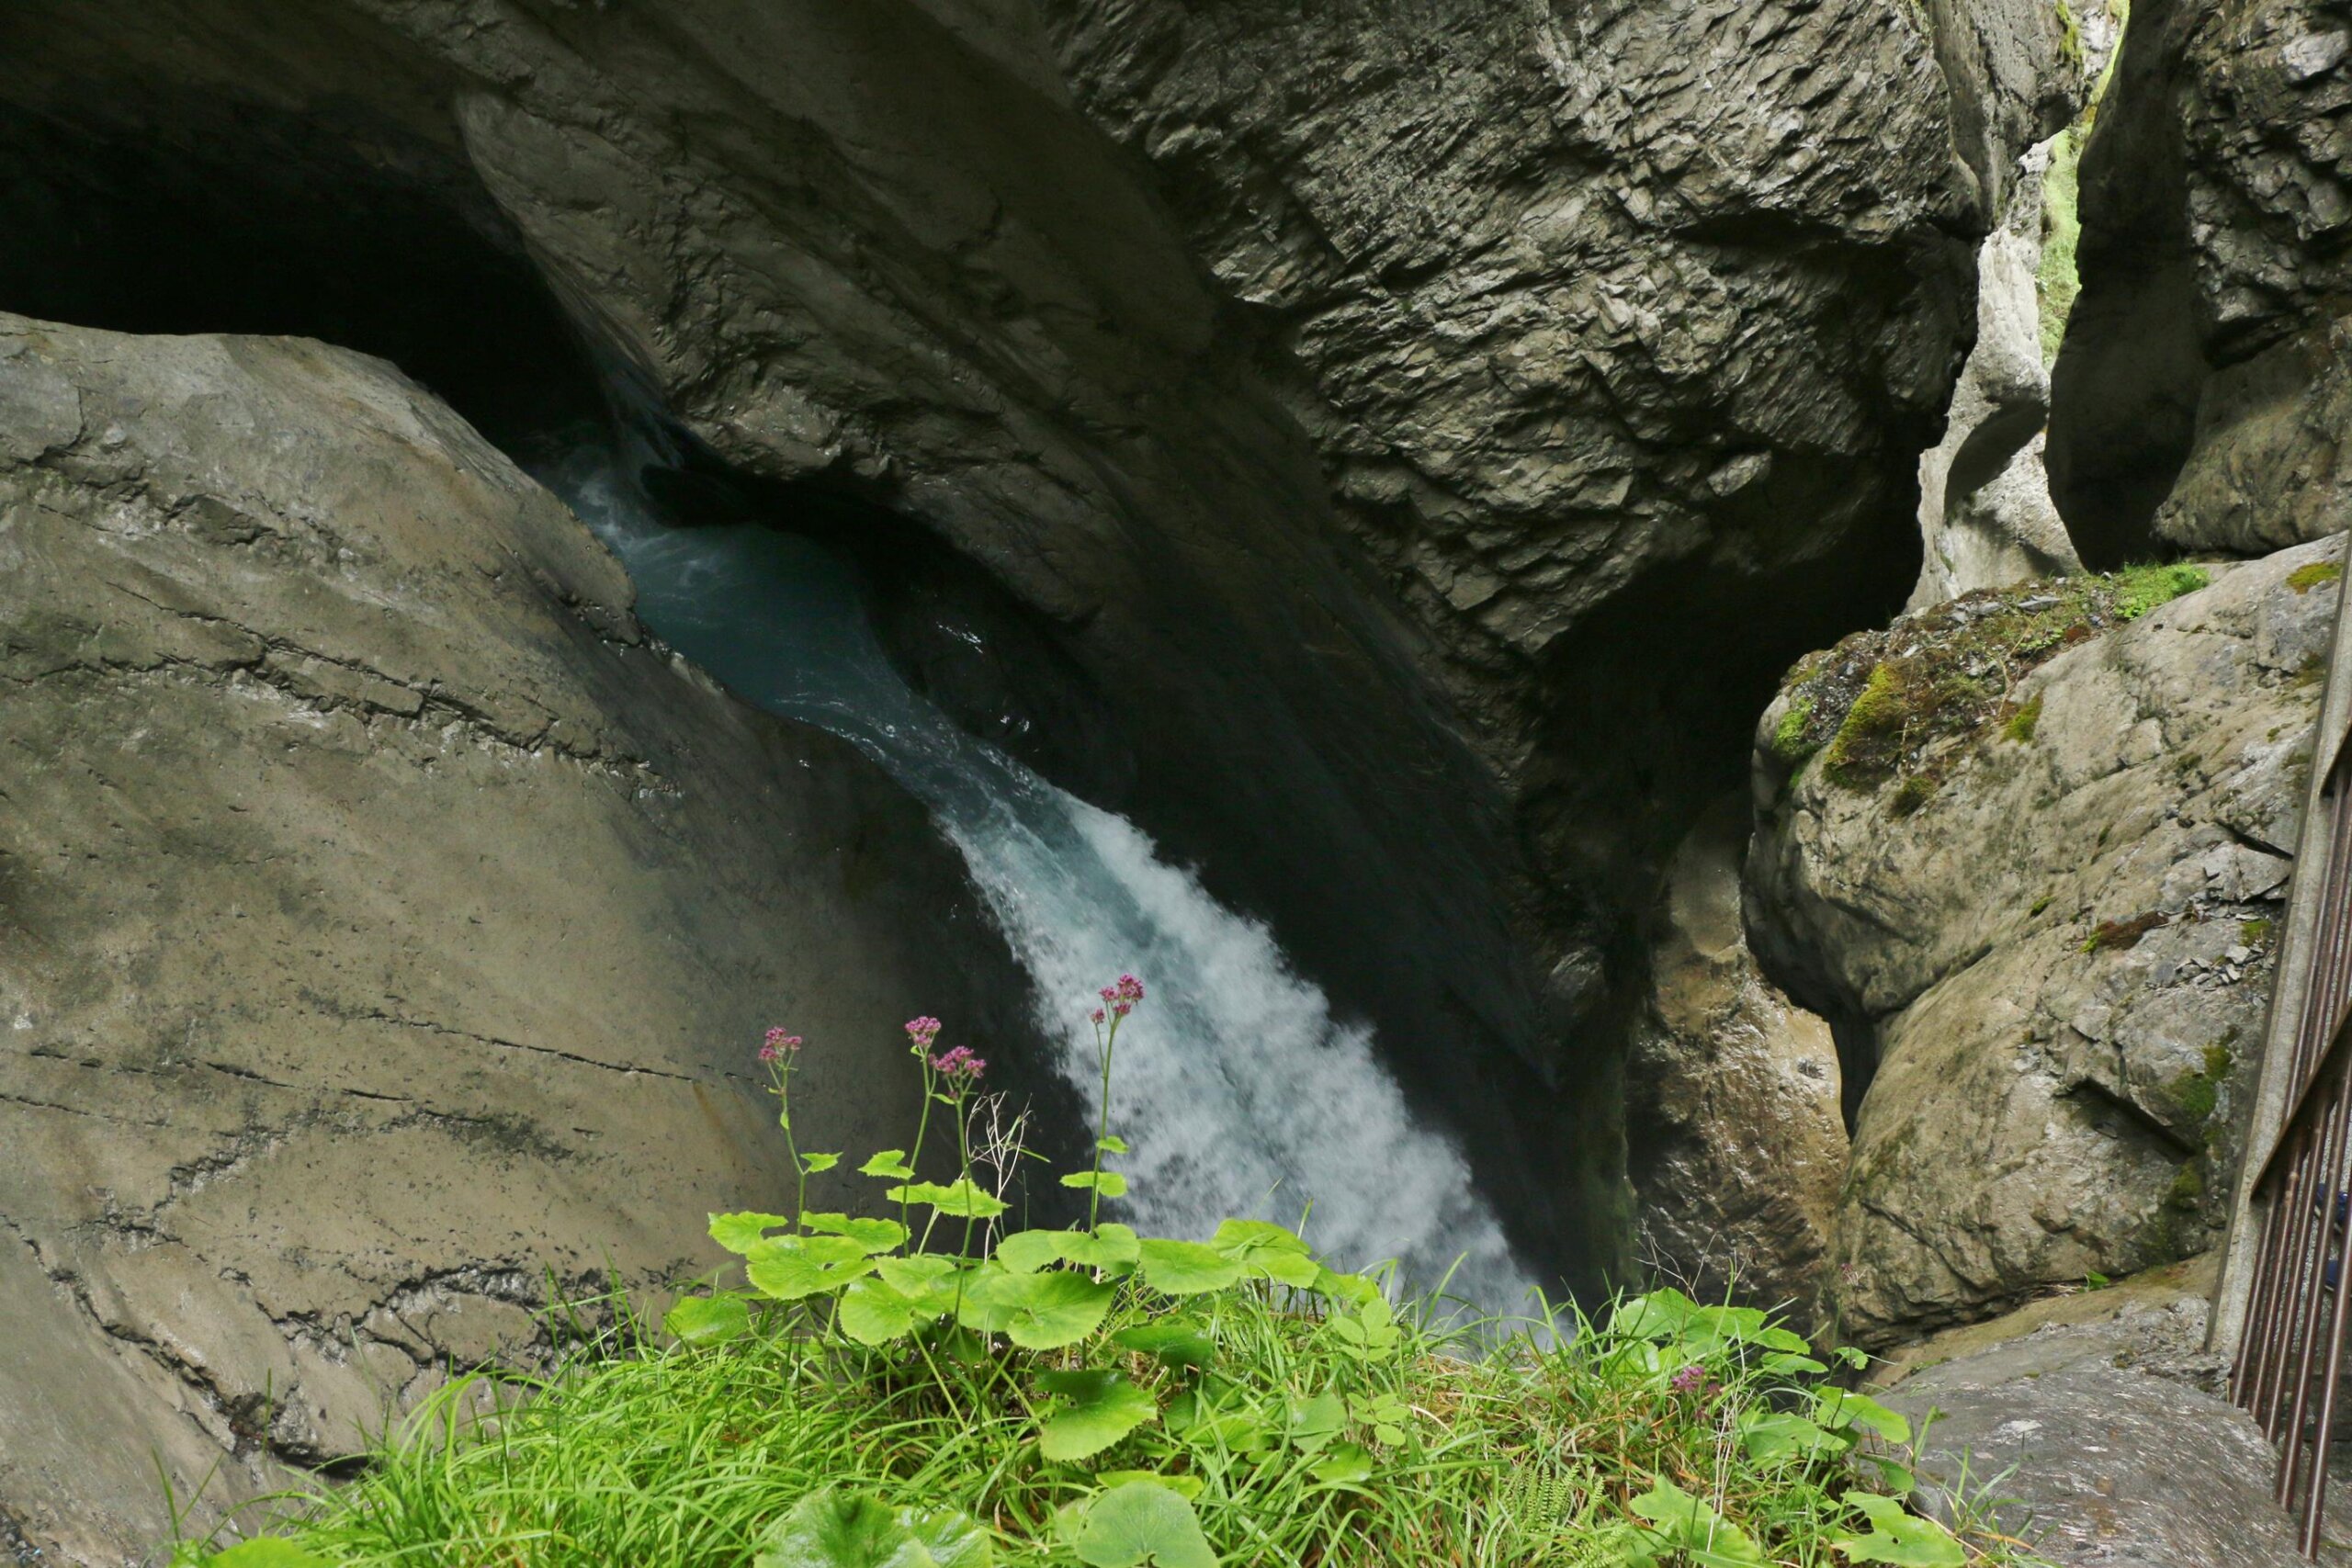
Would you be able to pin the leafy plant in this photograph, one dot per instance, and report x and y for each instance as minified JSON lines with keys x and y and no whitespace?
{"x":917,"y":1389}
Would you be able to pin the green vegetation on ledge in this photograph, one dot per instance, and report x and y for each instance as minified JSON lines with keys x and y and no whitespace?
{"x":1090,"y":1396}
{"x":1878,"y":707}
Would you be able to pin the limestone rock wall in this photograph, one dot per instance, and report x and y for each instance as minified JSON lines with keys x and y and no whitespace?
{"x":384,"y":923}
{"x":2216,"y":199}
{"x":2048,"y":934}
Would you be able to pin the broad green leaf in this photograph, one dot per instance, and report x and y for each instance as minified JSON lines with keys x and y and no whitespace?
{"x":1839,"y":1410}
{"x":1036,"y":1312}
{"x":1109,"y":1183}
{"x":1113,"y":1144}
{"x":913,"y":1275}
{"x":1314,"y":1422}
{"x":741,"y":1233}
{"x":1186,"y":1268}
{"x":890,"y":1163}
{"x":1899,"y":1536}
{"x":1185,"y":1486}
{"x":876,"y":1235}
{"x":1660,"y":1315}
{"x":1770,"y":1434}
{"x":1267,"y":1249}
{"x":958,"y":1197}
{"x":874,"y":1314}
{"x":816,"y":1165}
{"x":1207,"y":1426}
{"x":1781,"y":1364}
{"x":951,"y":1538}
{"x":1141,"y":1522}
{"x":1112,"y":1245}
{"x":709,"y":1320}
{"x":836,"y":1529}
{"x":1852,"y":1357}
{"x":1173,"y":1341}
{"x":265,"y":1551}
{"x":1385,"y":1414}
{"x":1093,"y":1410}
{"x":1348,"y":1464}
{"x":794,"y":1267}
{"x":1681,"y":1521}
{"x":1026,"y":1252}
{"x":1354,"y":1289}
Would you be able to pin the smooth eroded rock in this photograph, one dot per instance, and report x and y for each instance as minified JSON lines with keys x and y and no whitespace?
{"x":2054,"y":930}
{"x":385,"y":925}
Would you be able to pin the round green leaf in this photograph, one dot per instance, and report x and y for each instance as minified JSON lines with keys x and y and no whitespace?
{"x":1109,"y":1183}
{"x":1186,"y":1268}
{"x":1036,"y":1312}
{"x":1093,"y":1410}
{"x":741,"y":1233}
{"x":836,"y":1529}
{"x":1111,"y":1247}
{"x":874,"y":1314}
{"x":958,"y":1197}
{"x":794,"y":1267}
{"x":916,"y":1275}
{"x":873,"y":1236}
{"x":1172,"y":1341}
{"x":1268,"y":1249}
{"x":1026,"y":1252}
{"x":709,"y":1320}
{"x":1142,"y":1522}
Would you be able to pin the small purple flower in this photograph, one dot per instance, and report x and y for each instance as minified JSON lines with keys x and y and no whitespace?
{"x":778,"y":1045}
{"x":1096,"y":1015}
{"x":1121,"y":996}
{"x":1689,"y":1379}
{"x":922,"y":1031}
{"x":959,"y":1066}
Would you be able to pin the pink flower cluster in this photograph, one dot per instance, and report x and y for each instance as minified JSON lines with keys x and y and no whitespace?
{"x":959,"y":1064}
{"x":1120,"y":997}
{"x":778,"y":1045}
{"x":922,"y":1031}
{"x":1689,"y":1379}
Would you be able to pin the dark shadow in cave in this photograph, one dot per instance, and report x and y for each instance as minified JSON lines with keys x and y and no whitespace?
{"x":1670,"y":677}
{"x":250,"y":220}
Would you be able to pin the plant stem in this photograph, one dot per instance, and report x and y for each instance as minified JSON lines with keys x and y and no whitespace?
{"x":1107,"y":1043}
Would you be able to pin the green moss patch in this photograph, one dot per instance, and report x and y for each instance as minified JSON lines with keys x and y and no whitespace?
{"x":2303,"y":579}
{"x":1877,"y":706}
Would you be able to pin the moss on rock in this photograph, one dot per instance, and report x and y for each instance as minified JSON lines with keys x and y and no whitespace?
{"x":1879,"y":702}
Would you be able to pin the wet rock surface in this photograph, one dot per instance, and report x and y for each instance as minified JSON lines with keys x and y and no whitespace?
{"x":387,"y":923}
{"x":2046,"y":939}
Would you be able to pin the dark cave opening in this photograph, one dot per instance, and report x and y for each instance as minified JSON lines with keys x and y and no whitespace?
{"x":208,"y":217}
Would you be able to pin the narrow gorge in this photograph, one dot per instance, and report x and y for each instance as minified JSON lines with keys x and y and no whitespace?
{"x":1682,"y":639}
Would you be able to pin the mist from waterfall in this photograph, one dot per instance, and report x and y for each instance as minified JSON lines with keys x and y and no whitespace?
{"x":1237,"y":1089}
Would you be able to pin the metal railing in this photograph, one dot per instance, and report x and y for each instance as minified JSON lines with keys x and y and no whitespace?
{"x":2282,"y":1308}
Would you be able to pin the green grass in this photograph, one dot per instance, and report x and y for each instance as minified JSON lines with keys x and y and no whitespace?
{"x":1508,"y":1454}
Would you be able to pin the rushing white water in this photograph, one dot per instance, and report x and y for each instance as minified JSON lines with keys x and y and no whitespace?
{"x":1238,"y":1091}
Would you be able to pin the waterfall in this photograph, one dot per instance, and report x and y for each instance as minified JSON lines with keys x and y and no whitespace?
{"x":1238,"y":1091}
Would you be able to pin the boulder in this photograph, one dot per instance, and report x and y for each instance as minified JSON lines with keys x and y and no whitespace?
{"x":2056,"y":1435}
{"x":2036,"y":892}
{"x":386,"y":924}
